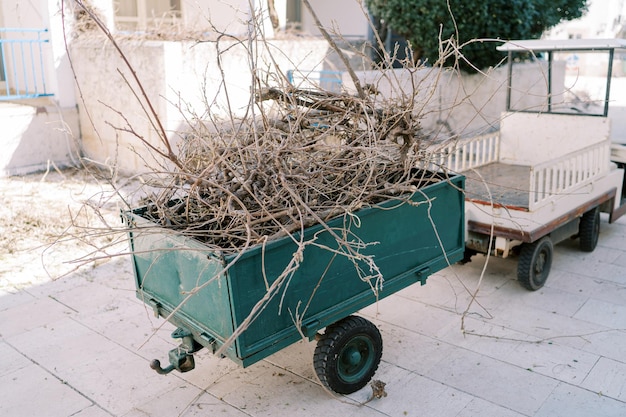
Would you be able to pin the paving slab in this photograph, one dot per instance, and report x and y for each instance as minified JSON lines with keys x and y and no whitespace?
{"x":591,"y":288}
{"x":92,"y":364}
{"x":413,"y":315}
{"x":182,"y":403}
{"x":411,"y":394}
{"x":610,"y":315}
{"x":592,"y":267}
{"x":10,"y":297}
{"x":268,"y":390}
{"x":609,"y":344}
{"x":12,"y":359}
{"x":506,"y":385}
{"x":85,"y":341}
{"x":551,"y":359}
{"x":570,"y":401}
{"x":481,"y":408}
{"x":413,"y":351}
{"x":31,"y":391}
{"x":608,"y":378}
{"x":30,"y":315}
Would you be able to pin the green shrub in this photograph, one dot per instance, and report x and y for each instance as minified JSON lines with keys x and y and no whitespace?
{"x":470,"y":23}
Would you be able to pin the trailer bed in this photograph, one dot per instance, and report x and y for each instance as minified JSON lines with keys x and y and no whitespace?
{"x":504,"y":185}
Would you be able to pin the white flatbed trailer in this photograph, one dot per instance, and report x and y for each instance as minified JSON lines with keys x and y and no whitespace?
{"x":544,"y":177}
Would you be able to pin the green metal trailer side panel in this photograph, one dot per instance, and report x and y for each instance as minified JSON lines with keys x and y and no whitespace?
{"x":182,"y":275}
{"x":326,"y":287}
{"x":408,"y":242}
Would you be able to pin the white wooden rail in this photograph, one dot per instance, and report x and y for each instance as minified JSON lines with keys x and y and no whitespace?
{"x":567,"y":174}
{"x":464,"y":154}
{"x":548,"y":180}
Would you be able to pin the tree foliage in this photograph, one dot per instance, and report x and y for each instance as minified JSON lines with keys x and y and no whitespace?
{"x":470,"y":22}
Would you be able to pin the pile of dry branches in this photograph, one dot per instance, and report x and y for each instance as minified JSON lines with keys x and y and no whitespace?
{"x":321,"y":155}
{"x":300,"y":157}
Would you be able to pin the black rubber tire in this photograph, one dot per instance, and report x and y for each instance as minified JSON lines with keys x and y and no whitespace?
{"x":589,"y":230}
{"x":348,"y":354}
{"x":534,"y":263}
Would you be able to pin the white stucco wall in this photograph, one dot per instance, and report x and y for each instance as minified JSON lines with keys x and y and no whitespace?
{"x":467,"y":105}
{"x":43,"y":132}
{"x":183,"y":81}
{"x":346,"y":17}
{"x":37,"y":136}
{"x":232,"y":17}
{"x":226,"y":17}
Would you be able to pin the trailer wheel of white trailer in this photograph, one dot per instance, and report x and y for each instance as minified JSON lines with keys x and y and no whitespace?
{"x":589,"y":229}
{"x":534,"y":263}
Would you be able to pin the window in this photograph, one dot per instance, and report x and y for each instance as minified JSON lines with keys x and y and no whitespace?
{"x":293,"y":15}
{"x":145,"y":14}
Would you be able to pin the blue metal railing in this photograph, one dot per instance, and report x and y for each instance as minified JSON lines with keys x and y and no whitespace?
{"x":22,"y":70}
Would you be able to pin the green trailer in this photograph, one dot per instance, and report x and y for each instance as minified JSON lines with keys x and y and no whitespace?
{"x":245,"y":307}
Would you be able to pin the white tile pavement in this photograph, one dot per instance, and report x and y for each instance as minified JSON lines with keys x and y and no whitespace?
{"x":80,"y":346}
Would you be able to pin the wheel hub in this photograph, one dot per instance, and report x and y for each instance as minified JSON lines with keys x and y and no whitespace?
{"x":541,"y":261}
{"x":353,"y":357}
